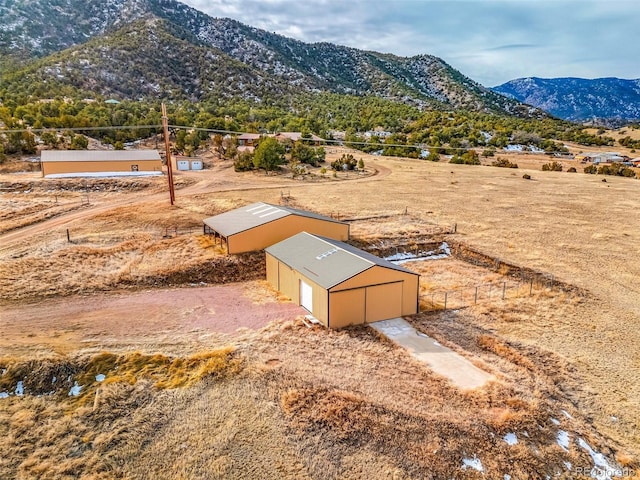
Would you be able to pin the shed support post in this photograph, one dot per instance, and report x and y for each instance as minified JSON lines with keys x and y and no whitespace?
{"x":504,"y":289}
{"x":445,"y":299}
{"x":475,"y":301}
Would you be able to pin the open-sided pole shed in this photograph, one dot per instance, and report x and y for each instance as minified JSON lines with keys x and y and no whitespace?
{"x":260,"y":225}
{"x":339,"y":284}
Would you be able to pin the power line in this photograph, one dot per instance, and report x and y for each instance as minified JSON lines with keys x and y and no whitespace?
{"x":79,"y":129}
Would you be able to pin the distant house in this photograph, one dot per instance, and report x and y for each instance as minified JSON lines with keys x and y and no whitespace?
{"x":600,"y":157}
{"x":99,"y":163}
{"x":295,"y":136}
{"x":248,"y":139}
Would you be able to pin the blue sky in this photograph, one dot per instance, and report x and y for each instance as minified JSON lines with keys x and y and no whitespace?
{"x":491,"y":41}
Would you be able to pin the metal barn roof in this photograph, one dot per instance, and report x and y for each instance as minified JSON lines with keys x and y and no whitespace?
{"x":98,"y":155}
{"x":325,"y":261}
{"x":254,"y":215}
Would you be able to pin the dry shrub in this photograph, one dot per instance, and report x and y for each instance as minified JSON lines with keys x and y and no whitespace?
{"x":164,"y":371}
{"x":343,"y":412}
{"x":501,"y":349}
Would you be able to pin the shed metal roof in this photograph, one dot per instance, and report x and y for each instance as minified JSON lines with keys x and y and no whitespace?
{"x":326,"y":261}
{"x":245,"y":218}
{"x":98,"y":155}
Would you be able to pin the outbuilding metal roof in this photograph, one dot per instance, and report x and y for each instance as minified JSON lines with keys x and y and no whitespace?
{"x":98,"y":155}
{"x":326,"y":261}
{"x":254,"y":215}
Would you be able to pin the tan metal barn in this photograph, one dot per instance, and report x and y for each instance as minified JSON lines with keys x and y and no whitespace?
{"x":339,"y":284}
{"x":260,"y":225}
{"x":94,"y":163}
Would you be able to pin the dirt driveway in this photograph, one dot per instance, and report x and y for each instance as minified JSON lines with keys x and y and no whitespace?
{"x":140,"y":320}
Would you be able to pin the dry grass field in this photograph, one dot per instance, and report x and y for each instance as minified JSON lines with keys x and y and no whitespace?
{"x":290,"y":402}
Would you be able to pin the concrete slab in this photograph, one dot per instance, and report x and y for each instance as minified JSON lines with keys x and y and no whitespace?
{"x":442,"y":360}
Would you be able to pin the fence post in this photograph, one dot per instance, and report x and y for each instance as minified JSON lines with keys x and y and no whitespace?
{"x":475,"y":300}
{"x":504,"y":289}
{"x":445,"y":299}
{"x":68,"y":236}
{"x":531,"y":287}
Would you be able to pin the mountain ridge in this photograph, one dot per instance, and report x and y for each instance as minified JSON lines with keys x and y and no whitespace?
{"x":578,"y":99}
{"x":424,"y":81}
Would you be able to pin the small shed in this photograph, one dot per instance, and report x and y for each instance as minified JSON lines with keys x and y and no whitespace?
{"x":181,"y":163}
{"x":94,"y":163}
{"x":260,"y":225}
{"x":339,"y":284}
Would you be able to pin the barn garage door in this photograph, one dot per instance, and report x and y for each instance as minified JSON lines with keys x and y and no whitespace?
{"x":383,"y":302}
{"x":306,"y":296}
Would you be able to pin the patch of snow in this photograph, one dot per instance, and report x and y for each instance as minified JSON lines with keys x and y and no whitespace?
{"x":400,"y":258}
{"x":4,"y":395}
{"x":507,"y":476}
{"x":100,"y":377}
{"x":53,"y":380}
{"x":474,"y":463}
{"x":20,"y":389}
{"x":513,"y":148}
{"x":511,"y":438}
{"x":566,"y":414}
{"x":568,"y":465}
{"x":75,"y":390}
{"x":563,"y":440}
{"x":555,"y":421}
{"x":602,"y":470}
{"x":437,"y":344}
{"x":4,"y":370}
{"x":614,"y":419}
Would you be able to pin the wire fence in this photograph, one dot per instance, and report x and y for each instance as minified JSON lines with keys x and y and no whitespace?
{"x":82,"y":238}
{"x":463,"y":297}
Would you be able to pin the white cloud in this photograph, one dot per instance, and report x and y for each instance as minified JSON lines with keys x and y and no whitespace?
{"x":491,"y":41}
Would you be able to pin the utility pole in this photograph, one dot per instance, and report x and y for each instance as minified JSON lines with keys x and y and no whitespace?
{"x":167,"y":147}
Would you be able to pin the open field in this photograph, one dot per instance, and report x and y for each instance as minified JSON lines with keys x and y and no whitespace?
{"x":317,"y":404}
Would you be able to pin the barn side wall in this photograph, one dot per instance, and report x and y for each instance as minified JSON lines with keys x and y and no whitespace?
{"x":287,"y":281}
{"x":54,"y":168}
{"x":271,"y":233}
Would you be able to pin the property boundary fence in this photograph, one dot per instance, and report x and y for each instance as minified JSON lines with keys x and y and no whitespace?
{"x":158,"y":231}
{"x":468,"y":296}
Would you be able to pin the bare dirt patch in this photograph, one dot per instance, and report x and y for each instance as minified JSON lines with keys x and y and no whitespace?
{"x":154,"y":318}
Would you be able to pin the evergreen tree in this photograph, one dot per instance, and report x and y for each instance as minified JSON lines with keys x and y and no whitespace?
{"x":268,"y":154}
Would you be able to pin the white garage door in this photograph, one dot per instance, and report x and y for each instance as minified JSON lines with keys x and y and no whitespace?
{"x":306,"y":296}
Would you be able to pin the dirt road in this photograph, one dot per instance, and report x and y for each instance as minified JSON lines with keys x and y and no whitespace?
{"x":220,"y":179}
